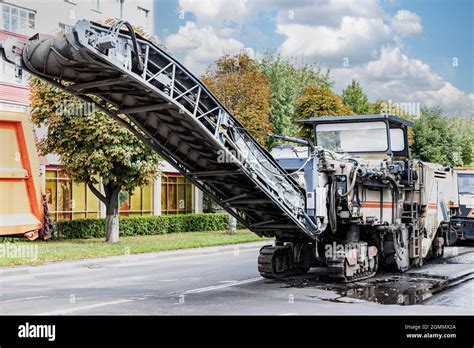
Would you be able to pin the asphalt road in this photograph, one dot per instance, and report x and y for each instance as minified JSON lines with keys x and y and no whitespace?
{"x":225,"y":281}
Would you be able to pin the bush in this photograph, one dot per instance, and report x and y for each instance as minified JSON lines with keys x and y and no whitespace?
{"x":142,"y":225}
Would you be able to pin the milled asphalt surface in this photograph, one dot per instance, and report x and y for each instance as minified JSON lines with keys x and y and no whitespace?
{"x":207,"y":281}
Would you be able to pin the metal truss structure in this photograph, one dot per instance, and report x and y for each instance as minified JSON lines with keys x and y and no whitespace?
{"x":141,"y":86}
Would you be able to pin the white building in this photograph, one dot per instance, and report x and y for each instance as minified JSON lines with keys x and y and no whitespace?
{"x":28,"y":17}
{"x":170,"y":193}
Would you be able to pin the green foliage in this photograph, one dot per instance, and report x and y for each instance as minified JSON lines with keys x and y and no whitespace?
{"x":209,"y":206}
{"x":377,"y":107}
{"x":238,"y":83}
{"x":91,"y":145}
{"x":142,"y":225}
{"x":287,"y":82}
{"x":355,"y":98}
{"x":320,"y":101}
{"x":381,"y":106}
{"x":464,"y":129}
{"x":441,"y":139}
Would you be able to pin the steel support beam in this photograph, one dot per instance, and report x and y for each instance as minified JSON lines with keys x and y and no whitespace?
{"x":144,"y":108}
{"x":78,"y":87}
{"x":207,"y":174}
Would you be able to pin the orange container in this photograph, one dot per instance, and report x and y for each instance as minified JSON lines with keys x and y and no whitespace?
{"x":21,"y":205}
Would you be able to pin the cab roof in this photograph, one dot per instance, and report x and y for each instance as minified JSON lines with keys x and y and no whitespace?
{"x":392,"y":120}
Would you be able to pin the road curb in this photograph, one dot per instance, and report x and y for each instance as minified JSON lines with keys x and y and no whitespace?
{"x":128,"y":258}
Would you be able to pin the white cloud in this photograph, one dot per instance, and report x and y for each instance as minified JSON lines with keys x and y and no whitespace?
{"x":407,"y":23}
{"x":330,"y":31}
{"x":219,"y":12}
{"x":313,"y":12}
{"x":325,"y":32}
{"x":396,"y":77}
{"x":326,"y":12}
{"x":358,"y":39}
{"x":200,"y":46}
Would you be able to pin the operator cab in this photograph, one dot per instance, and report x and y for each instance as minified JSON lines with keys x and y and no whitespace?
{"x":366,"y":136}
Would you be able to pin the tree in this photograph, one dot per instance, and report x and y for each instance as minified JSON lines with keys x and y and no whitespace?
{"x":464,"y":128}
{"x":355,"y":98}
{"x":377,"y":107}
{"x":381,"y":106}
{"x":438,"y":140}
{"x":320,"y":101}
{"x":209,"y":206}
{"x":287,"y":82}
{"x":232,"y":225}
{"x":93,"y":148}
{"x":238,"y":83}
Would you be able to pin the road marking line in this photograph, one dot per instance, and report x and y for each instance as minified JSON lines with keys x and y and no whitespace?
{"x":168,"y":280}
{"x":132,"y":278}
{"x":221,"y":286}
{"x":25,"y":298}
{"x":92,"y":306}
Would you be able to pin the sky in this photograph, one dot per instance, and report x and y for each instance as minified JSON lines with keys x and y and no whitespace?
{"x":404,"y":51}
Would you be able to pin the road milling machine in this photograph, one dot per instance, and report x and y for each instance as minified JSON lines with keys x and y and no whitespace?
{"x":464,"y":221}
{"x":352,"y":199}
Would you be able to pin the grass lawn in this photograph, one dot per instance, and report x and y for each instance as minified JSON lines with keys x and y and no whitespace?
{"x":74,"y":249}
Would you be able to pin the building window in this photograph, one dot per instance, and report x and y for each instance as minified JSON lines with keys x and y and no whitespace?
{"x":68,"y":199}
{"x":9,"y":73}
{"x":177,"y":195}
{"x":143,"y":15}
{"x":31,"y":21}
{"x":140,"y":202}
{"x":17,"y":20}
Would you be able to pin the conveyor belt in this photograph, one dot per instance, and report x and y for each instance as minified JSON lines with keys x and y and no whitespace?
{"x":175,"y":114}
